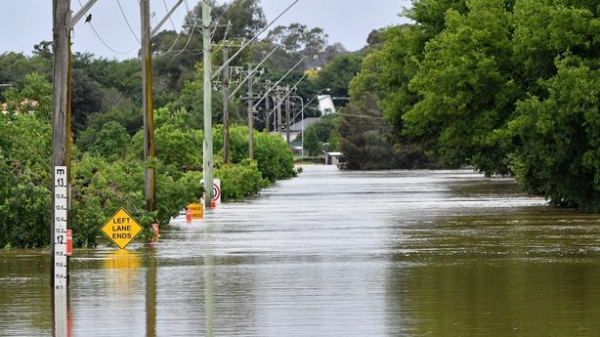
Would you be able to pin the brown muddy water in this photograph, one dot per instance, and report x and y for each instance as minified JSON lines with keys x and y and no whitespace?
{"x":331,"y":253}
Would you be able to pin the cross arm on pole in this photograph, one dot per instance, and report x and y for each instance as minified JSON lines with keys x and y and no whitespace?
{"x":281,"y":79}
{"x":162,"y":22}
{"x":75,"y":18}
{"x":218,"y":71}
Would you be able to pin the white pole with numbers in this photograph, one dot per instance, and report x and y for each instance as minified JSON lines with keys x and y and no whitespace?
{"x":60,"y":227}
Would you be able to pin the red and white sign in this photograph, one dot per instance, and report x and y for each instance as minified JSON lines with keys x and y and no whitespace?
{"x":216,"y":192}
{"x":69,"y":242}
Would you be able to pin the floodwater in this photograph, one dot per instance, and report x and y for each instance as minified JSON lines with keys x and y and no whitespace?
{"x":331,"y":253}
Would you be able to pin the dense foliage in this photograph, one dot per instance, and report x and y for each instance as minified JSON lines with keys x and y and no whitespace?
{"x":107,"y":167}
{"x":108,"y":171}
{"x":509,"y":87}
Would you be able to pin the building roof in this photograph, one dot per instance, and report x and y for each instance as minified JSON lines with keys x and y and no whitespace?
{"x":299,"y":126}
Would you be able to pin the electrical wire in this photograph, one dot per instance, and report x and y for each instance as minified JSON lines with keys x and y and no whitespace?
{"x":167,"y":9}
{"x":361,"y":116}
{"x":216,"y":73}
{"x":127,"y":21}
{"x":102,"y":40}
{"x":188,"y":42}
{"x":224,"y":36}
{"x":185,"y":47}
{"x":174,"y":43}
{"x":107,"y":46}
{"x":175,"y":29}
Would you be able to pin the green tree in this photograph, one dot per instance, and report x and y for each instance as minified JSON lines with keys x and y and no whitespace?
{"x":361,"y":128}
{"x":245,"y":17}
{"x":14,"y":67}
{"x":179,"y":147}
{"x":386,"y":72}
{"x":129,"y":117}
{"x":311,"y":142}
{"x":273,"y":156}
{"x":35,"y":97}
{"x":560,"y":156}
{"x":112,"y":141}
{"x":124,"y":76}
{"x":337,"y":75}
{"x":466,"y":88}
{"x":86,"y":100}
{"x":25,"y":176}
{"x":324,"y":127}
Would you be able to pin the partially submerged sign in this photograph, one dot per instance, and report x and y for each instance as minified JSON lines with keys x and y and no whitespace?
{"x":121,"y":228}
{"x":196,"y":211}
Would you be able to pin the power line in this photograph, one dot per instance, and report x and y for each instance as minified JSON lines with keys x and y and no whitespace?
{"x":361,"y":116}
{"x":127,"y":21}
{"x":179,"y":52}
{"x":107,"y":46}
{"x":102,"y":40}
{"x":167,"y":9}
{"x":188,"y":42}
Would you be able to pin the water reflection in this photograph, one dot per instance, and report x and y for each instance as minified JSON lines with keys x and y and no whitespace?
{"x":504,"y":299}
{"x":500,"y":272}
{"x":63,"y":322}
{"x":25,"y":296}
{"x":209,"y":282}
{"x":108,"y":285}
{"x":151,"y":294}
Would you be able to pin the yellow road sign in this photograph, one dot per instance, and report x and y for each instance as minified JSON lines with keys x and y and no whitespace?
{"x":197,"y":211}
{"x":121,"y":228}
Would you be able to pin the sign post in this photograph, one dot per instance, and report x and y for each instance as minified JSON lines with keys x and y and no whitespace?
{"x":60,"y":227}
{"x":121,"y":228}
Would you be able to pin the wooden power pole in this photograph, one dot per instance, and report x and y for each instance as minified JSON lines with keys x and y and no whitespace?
{"x":278,"y":122}
{"x":267,"y":119}
{"x":287,"y":115}
{"x":250,"y":116}
{"x":61,"y":128}
{"x":226,"y":77}
{"x":146,"y":56}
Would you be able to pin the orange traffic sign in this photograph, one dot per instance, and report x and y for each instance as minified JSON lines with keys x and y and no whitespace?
{"x":121,"y":228}
{"x":196,"y":211}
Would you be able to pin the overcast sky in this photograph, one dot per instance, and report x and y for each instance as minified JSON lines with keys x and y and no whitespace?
{"x":27,"y":22}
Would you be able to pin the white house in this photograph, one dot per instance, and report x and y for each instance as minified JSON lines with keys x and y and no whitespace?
{"x":326,"y":105}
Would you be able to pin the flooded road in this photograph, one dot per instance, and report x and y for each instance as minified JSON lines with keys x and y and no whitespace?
{"x":331,"y":253}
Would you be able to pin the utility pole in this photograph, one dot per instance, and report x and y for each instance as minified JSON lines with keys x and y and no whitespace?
{"x":250,"y":116}
{"x":226,"y":159}
{"x":279,"y":124}
{"x":287,"y":115}
{"x":146,"y":56}
{"x":267,"y":114}
{"x":207,"y":165}
{"x":61,"y":128}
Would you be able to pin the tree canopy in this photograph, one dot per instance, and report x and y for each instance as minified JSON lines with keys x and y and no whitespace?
{"x":506,"y":86}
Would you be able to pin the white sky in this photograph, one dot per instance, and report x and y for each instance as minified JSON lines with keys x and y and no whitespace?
{"x":27,"y":22}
